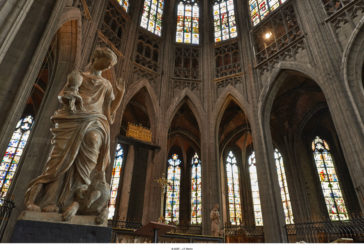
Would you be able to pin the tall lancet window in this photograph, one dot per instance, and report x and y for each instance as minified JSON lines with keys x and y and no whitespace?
{"x":124,"y":4}
{"x":260,"y":9}
{"x":115,"y":179}
{"x":173,"y":190}
{"x":10,"y":161}
{"x":188,"y":13}
{"x":255,"y":190}
{"x":196,"y":217}
{"x":284,"y":188}
{"x":329,"y":180}
{"x":224,"y":20}
{"x":152,"y":16}
{"x":232,"y":174}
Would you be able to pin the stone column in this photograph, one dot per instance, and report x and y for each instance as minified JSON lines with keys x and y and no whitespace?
{"x":270,"y":196}
{"x":22,"y":61}
{"x":126,"y":185}
{"x":211,"y":187}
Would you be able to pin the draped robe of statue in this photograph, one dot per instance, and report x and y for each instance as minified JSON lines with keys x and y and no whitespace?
{"x":75,"y":152}
{"x":215,"y":221}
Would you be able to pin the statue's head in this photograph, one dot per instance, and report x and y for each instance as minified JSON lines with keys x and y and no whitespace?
{"x":103,"y":59}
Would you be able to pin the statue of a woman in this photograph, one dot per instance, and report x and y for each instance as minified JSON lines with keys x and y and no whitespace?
{"x":215,"y":221}
{"x":81,"y":137}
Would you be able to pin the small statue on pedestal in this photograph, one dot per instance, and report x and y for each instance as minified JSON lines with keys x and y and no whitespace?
{"x":73,"y":181}
{"x":215,"y":221}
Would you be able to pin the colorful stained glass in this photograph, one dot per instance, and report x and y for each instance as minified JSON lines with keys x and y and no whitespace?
{"x":329,"y":180}
{"x":188,"y":13}
{"x":196,"y":201}
{"x":173,"y":190}
{"x":255,"y":190}
{"x":9,"y":163}
{"x":124,"y":4}
{"x":152,"y":16}
{"x":224,"y":20}
{"x":233,"y":184}
{"x":115,"y":179}
{"x":259,"y":9}
{"x":284,"y":187}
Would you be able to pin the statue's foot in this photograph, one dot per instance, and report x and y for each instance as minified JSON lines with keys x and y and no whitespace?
{"x":50,"y":209}
{"x":102,"y":216}
{"x":70,"y":211}
{"x":100,"y":219}
{"x":32,"y":207}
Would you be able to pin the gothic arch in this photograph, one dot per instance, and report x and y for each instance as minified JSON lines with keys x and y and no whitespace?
{"x":278,"y":77}
{"x":229,"y":94}
{"x":75,"y":31}
{"x":152,"y":109}
{"x":195,"y":141}
{"x":134,"y":89}
{"x":308,"y":116}
{"x":352,"y":67}
{"x":186,"y":96}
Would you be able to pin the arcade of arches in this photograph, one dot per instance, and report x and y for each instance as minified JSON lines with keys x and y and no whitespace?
{"x":257,"y":106}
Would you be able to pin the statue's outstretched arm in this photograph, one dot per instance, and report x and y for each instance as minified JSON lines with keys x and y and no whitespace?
{"x":120,"y":91}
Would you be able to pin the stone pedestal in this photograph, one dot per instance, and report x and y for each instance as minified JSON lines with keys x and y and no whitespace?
{"x":33,"y":227}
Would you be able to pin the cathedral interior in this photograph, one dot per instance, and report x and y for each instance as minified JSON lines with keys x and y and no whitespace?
{"x":253,"y":107}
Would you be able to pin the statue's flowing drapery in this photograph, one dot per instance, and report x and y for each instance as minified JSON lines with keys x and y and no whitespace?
{"x":73,"y":158}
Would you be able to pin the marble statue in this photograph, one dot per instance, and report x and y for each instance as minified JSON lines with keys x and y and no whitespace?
{"x":215,"y":221}
{"x":73,"y":181}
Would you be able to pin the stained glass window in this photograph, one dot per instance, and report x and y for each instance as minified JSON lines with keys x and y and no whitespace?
{"x":115,"y":179}
{"x":232,"y":174}
{"x":173,"y":190}
{"x":152,"y":16}
{"x":329,"y":180}
{"x":259,"y":9}
{"x":124,"y":4}
{"x":283,"y":186}
{"x":188,"y":13}
{"x":10,"y":161}
{"x":196,"y":217}
{"x":255,"y":190}
{"x":224,"y":20}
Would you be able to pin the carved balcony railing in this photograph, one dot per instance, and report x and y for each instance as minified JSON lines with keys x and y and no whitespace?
{"x":333,"y":6}
{"x":340,"y":12}
{"x":6,"y":206}
{"x":243,"y":234}
{"x":189,"y":238}
{"x":325,"y":232}
{"x":280,"y":45}
{"x":118,"y":224}
{"x":124,"y":232}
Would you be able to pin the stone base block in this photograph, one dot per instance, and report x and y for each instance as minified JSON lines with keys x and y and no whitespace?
{"x":42,"y":231}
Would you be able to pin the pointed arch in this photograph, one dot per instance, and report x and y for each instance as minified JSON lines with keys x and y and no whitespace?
{"x":74,"y":31}
{"x":330,"y":184}
{"x":277,"y":79}
{"x":186,"y":96}
{"x":172,"y":200}
{"x":222,"y":104}
{"x":135,"y":87}
{"x":153,"y":109}
{"x":353,"y":67}
{"x":196,"y":186}
{"x":229,"y":94}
